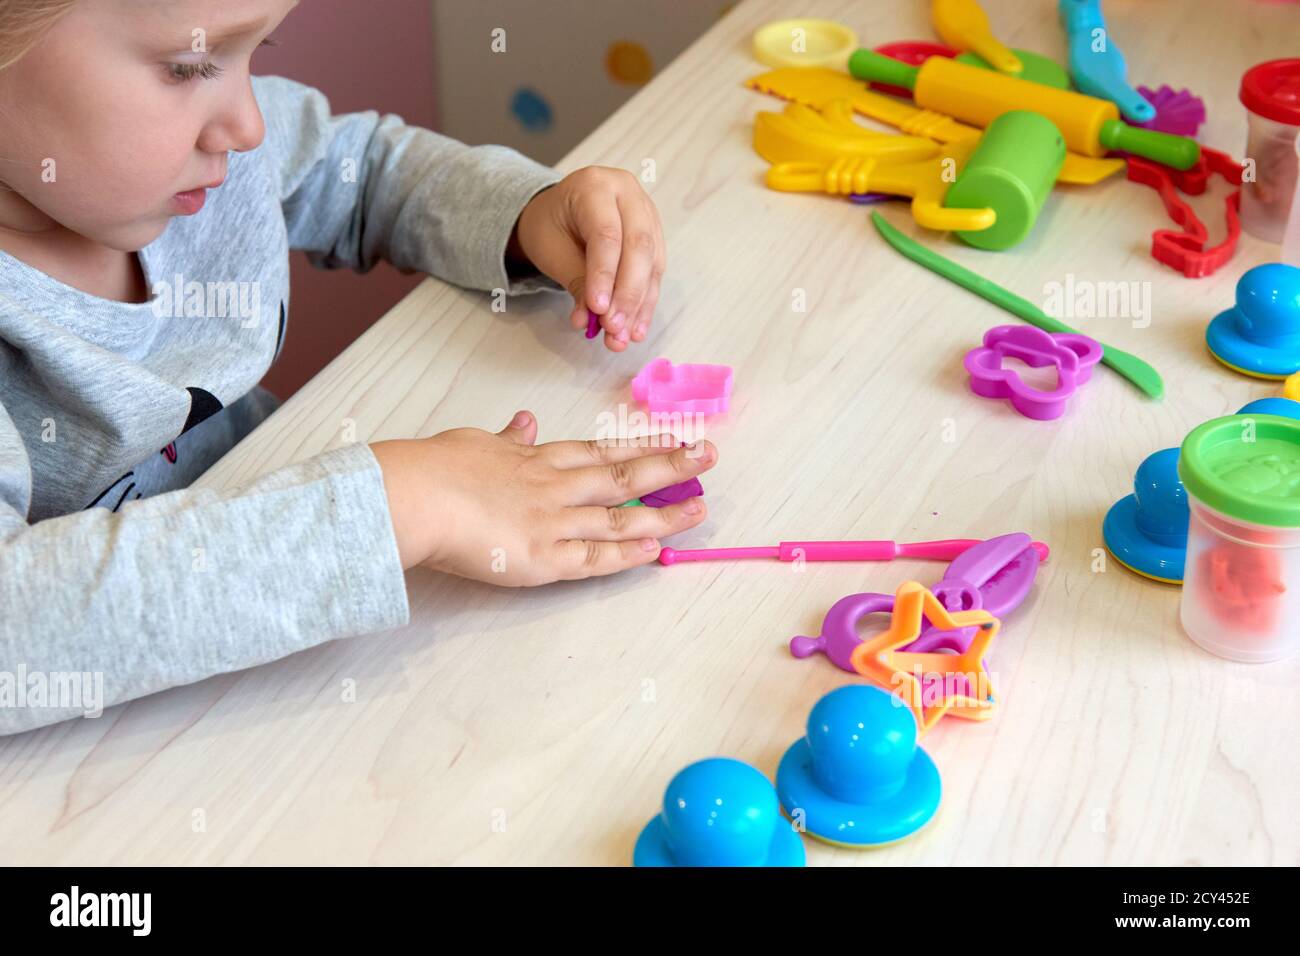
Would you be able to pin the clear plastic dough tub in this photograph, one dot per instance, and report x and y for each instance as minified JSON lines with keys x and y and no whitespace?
{"x":1241,"y":582}
{"x":1271,"y":94}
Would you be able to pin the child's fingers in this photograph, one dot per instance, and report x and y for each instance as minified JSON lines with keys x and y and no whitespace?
{"x":623,"y":524}
{"x":583,"y":454}
{"x":636,"y":263}
{"x":569,"y":267}
{"x":602,"y":232}
{"x":622,"y":481}
{"x":641,"y":324}
{"x":586,"y":559}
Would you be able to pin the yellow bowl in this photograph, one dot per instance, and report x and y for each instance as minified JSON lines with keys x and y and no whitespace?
{"x":804,"y":42}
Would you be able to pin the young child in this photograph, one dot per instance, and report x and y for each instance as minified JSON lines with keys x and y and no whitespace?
{"x":140,"y":161}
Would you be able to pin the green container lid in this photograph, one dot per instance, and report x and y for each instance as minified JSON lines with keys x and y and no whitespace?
{"x":1251,"y":480}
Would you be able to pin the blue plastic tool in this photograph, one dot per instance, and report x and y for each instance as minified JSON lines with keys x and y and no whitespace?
{"x":1147,"y":530}
{"x":720,"y":812}
{"x":1286,"y":407}
{"x":1260,"y":334}
{"x":1096,"y":64}
{"x":858,"y":779}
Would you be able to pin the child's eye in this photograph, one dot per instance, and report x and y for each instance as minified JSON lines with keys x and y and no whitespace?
{"x":184,"y":72}
{"x":204,"y":69}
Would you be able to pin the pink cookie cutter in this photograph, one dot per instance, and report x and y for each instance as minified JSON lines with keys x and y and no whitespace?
{"x":1073,"y":356}
{"x":690,"y":389}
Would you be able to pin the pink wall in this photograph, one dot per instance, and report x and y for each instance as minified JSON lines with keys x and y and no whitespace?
{"x":362,"y":56}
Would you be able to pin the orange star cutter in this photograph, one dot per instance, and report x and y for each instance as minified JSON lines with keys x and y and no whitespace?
{"x":932,"y":685}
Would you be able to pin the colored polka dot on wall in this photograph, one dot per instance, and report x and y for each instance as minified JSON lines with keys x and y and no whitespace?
{"x":628,"y":62}
{"x":531,"y":110}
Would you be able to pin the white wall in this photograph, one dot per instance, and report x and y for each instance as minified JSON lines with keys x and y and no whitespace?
{"x":558,"y":53}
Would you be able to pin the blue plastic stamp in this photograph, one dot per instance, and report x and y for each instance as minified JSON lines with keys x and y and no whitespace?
{"x":1286,"y":407}
{"x":1260,"y":335}
{"x":858,"y":779}
{"x":719,"y":812}
{"x":1147,"y":531}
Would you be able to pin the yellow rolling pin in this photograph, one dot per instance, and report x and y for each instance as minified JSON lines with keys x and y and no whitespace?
{"x":818,"y":88}
{"x":1089,"y":125}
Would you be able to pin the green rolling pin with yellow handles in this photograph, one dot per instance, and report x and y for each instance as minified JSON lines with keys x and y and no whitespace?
{"x":1089,"y":125}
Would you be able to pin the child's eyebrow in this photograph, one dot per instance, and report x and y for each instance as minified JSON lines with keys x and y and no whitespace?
{"x":239,"y":29}
{"x":236,"y":29}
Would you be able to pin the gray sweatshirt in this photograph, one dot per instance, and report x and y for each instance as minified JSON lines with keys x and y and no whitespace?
{"x":117,"y":581}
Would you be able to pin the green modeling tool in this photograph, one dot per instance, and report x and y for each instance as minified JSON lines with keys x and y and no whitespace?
{"x":1129,"y":366}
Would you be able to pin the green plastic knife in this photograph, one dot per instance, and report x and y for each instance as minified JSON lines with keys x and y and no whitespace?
{"x":1129,"y":366}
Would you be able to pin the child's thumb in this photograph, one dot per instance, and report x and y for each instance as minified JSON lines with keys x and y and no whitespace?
{"x":522,"y":429}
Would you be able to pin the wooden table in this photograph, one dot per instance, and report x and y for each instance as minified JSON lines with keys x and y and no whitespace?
{"x":541,"y":726}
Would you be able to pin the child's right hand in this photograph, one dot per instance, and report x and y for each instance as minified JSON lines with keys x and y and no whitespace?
{"x":500,"y":509}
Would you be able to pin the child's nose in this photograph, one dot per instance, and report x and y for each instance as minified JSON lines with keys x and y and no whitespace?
{"x":237,"y":127}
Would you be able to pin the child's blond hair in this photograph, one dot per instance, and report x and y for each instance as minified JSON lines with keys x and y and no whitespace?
{"x":23,"y":23}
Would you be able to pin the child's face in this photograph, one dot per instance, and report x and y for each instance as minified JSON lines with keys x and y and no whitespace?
{"x":123,"y":105}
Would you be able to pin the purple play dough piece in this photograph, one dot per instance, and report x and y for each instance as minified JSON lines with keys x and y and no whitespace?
{"x":690,"y":488}
{"x":863,"y":199}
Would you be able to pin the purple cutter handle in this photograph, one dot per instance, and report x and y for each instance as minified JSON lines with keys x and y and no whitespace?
{"x":839,"y":634}
{"x":995,"y":575}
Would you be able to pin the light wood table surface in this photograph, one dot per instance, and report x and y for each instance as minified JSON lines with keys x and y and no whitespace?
{"x":541,"y":726}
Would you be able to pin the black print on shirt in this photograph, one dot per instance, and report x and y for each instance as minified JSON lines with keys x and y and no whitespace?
{"x":203,"y":405}
{"x":279,"y":336}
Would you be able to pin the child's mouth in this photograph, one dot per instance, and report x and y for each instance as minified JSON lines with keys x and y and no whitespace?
{"x":190,"y":201}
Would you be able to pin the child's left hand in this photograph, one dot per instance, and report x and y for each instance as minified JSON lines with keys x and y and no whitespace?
{"x":598,"y":234}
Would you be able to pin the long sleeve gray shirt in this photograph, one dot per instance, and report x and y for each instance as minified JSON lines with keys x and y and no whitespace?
{"x":116,"y":579}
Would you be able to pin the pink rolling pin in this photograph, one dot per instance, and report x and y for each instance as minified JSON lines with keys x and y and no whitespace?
{"x":827,"y":551}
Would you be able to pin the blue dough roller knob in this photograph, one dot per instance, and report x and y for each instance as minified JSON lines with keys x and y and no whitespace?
{"x":719,"y":812}
{"x":858,"y":779}
{"x":1147,"y":531}
{"x":1260,"y":335}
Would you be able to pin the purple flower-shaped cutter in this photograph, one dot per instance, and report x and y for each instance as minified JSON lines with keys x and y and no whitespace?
{"x":1073,"y":356}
